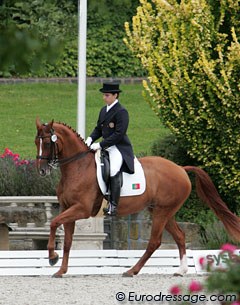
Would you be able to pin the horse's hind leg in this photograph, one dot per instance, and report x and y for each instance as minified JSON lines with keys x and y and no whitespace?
{"x":179,"y":236}
{"x":159,"y":222}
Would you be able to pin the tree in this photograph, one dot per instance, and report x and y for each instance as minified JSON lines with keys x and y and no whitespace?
{"x":107,"y":55}
{"x":23,"y":50}
{"x":32,"y":32}
{"x":38,"y":29}
{"x":192,"y":54}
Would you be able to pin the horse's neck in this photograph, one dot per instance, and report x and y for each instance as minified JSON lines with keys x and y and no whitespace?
{"x":72,"y":143}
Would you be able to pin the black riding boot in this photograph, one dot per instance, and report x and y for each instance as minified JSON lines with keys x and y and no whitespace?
{"x":115,"y":188}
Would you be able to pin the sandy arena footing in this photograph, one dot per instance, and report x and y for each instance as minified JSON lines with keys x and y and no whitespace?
{"x":92,"y":290}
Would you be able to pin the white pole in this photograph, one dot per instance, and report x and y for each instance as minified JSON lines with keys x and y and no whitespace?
{"x":82,"y":43}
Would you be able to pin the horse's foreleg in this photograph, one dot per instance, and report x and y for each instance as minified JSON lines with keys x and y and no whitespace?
{"x":69,"y":230}
{"x":179,"y":236}
{"x":53,"y":256}
{"x":67,"y":218}
{"x":159,"y":222}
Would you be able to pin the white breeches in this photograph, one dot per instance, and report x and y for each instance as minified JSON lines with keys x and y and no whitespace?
{"x":115,"y":159}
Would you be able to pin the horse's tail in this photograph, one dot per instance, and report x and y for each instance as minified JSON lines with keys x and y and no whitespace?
{"x":209,"y":194}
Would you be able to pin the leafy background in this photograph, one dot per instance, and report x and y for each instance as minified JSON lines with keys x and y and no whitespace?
{"x":48,"y":32}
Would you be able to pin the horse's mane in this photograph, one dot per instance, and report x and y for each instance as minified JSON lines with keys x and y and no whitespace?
{"x":73,"y":130}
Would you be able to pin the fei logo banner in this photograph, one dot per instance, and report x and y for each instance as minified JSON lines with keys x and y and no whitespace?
{"x":217,"y":258}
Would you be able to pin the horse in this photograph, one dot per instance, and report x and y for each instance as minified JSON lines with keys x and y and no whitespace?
{"x":167,"y":188}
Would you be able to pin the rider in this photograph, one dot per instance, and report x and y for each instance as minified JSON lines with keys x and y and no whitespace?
{"x":112,"y":126}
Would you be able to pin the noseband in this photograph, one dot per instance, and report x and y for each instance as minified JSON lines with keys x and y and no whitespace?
{"x":52,"y":158}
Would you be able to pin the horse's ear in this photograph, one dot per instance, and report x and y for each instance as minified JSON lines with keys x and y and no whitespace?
{"x":38,"y":123}
{"x":51,"y":123}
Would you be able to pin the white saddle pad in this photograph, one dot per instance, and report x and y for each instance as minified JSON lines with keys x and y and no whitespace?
{"x":133,"y":184}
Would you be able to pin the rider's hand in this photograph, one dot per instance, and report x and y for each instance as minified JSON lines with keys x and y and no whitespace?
{"x":88,"y":142}
{"x":95,"y":146}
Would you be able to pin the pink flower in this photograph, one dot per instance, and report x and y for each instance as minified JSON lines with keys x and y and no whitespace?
{"x":175,"y":290}
{"x":15,"y":157}
{"x":18,"y":163}
{"x":235,"y":303}
{"x":229,"y":248}
{"x":202,"y":262}
{"x":195,"y":286}
{"x":9,"y":153}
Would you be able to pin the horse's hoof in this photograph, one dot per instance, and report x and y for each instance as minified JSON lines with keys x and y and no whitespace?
{"x":57,"y":276}
{"x":53,"y":261}
{"x":126,"y":274}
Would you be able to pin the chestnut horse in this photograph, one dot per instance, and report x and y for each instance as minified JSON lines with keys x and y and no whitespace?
{"x":167,"y":187}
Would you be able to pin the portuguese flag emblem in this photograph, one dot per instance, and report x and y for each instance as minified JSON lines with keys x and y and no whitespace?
{"x":135,"y":186}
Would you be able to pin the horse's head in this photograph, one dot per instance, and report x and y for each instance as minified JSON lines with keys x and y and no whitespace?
{"x":47,"y":149}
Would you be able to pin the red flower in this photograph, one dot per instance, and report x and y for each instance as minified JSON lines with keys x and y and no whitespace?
{"x":202,"y":261}
{"x":15,"y":157}
{"x":195,"y":286}
{"x":9,"y":153}
{"x":175,"y":290}
{"x":22,"y":162}
{"x":229,"y":248}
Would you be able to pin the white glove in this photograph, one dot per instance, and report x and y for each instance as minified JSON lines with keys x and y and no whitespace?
{"x":88,"y":142}
{"x":95,"y":146}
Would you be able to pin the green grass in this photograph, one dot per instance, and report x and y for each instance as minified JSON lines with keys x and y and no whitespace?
{"x":22,"y":103}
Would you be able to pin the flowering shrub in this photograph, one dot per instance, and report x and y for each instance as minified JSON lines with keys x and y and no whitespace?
{"x":190,"y":50}
{"x":222,"y":281}
{"x":19,"y":177}
{"x":15,"y":157}
{"x":226,"y":280}
{"x":188,"y":296}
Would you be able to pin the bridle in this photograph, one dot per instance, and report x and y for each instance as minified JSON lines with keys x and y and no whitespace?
{"x":52,"y":158}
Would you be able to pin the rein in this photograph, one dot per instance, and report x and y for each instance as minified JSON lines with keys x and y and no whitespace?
{"x":75,"y":157}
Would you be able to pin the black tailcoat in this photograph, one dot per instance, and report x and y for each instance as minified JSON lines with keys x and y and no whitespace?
{"x":112,"y":127}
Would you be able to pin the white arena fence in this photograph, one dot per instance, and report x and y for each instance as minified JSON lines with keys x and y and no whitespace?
{"x":103,"y":262}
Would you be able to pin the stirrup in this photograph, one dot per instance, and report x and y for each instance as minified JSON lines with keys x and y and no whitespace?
{"x":111,"y":210}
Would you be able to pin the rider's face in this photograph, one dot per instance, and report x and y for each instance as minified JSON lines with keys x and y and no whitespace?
{"x":109,"y":98}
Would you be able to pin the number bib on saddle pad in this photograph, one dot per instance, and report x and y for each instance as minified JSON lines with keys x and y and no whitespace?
{"x":133,"y":184}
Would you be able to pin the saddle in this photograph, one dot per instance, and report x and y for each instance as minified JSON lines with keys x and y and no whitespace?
{"x":132,"y":184}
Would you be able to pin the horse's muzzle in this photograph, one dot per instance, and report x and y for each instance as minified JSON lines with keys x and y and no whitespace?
{"x":44,"y":171}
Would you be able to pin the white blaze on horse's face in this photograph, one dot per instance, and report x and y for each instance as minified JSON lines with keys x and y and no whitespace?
{"x":42,"y":163}
{"x":40,"y":148}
